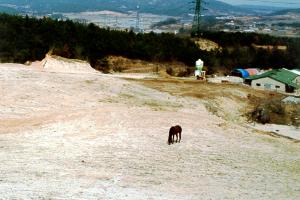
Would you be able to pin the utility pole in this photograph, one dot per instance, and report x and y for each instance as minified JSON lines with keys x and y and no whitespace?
{"x":197,"y":18}
{"x":116,"y":22}
{"x":137,"y":25}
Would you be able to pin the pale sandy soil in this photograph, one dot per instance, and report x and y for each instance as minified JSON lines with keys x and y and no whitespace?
{"x":284,"y":130}
{"x":93,"y":136}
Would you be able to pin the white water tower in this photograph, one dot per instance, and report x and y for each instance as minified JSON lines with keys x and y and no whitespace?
{"x":199,"y":67}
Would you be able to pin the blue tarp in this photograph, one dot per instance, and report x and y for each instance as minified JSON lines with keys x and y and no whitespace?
{"x":242,"y":72}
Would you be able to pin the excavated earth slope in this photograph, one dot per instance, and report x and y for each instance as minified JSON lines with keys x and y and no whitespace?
{"x":96,"y":136}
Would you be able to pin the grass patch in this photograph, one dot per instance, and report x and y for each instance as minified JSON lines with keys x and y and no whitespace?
{"x":221,"y":99}
{"x":89,"y":81}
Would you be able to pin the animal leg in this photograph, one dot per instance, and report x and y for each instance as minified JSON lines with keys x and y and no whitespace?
{"x":176,"y":137}
{"x":173,"y":138}
{"x":179,"y":137}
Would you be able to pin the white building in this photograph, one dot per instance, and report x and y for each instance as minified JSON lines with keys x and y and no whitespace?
{"x":281,"y":80}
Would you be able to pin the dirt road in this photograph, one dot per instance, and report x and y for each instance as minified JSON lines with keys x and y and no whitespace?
{"x":94,"y":136}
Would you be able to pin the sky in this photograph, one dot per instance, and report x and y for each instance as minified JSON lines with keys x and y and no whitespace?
{"x":277,"y":3}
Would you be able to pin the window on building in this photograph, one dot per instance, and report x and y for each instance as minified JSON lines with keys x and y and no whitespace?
{"x":277,"y":86}
{"x":258,"y":84}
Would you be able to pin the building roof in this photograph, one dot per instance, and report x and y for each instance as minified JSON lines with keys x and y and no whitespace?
{"x":281,"y":75}
{"x":252,"y":71}
{"x":243,"y":72}
{"x":296,"y":71}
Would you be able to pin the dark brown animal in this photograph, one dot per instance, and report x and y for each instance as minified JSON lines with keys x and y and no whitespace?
{"x":174,"y":131}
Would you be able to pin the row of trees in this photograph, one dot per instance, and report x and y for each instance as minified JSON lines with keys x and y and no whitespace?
{"x":246,"y":50}
{"x":25,"y":38}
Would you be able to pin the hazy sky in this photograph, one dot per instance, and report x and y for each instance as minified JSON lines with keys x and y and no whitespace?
{"x":280,"y":3}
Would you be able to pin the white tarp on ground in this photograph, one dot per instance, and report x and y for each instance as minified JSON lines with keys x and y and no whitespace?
{"x":230,"y":79}
{"x":291,"y":99}
{"x":284,"y":130}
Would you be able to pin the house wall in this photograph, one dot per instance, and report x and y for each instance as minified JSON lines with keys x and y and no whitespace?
{"x":268,"y":84}
{"x":297,"y":80}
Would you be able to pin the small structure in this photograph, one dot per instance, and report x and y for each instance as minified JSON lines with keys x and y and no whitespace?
{"x":244,"y":73}
{"x":198,"y":70}
{"x":280,"y":80}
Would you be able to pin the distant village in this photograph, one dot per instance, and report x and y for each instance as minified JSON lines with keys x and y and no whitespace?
{"x":278,"y":26}
{"x":286,"y":25}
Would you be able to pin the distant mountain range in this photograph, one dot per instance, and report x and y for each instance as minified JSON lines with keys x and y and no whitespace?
{"x":171,"y":7}
{"x":260,"y":9}
{"x":287,"y":11}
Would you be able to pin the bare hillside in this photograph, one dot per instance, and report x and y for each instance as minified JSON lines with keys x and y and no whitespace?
{"x":95,"y":136}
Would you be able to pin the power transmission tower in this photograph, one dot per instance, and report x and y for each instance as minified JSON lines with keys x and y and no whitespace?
{"x":196,"y":27}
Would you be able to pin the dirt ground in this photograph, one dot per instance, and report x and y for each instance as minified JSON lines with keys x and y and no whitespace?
{"x":96,"y":136}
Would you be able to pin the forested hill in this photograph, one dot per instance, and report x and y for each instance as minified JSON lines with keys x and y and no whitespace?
{"x":24,"y":38}
{"x":287,"y":11}
{"x":162,"y":7}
